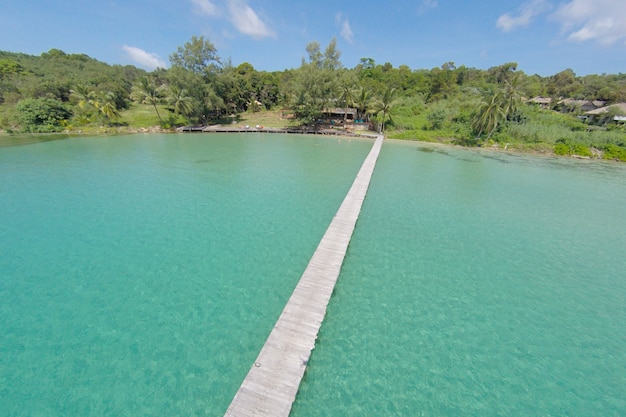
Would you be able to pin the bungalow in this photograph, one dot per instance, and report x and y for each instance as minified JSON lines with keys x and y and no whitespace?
{"x":618,"y":111}
{"x":340,"y":113}
{"x":543,"y":102}
{"x":570,"y":105}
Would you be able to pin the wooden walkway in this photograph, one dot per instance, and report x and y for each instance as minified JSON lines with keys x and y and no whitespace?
{"x":272,"y":383}
{"x":292,"y":130}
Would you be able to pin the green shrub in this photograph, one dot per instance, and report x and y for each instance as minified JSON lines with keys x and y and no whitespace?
{"x":42,"y":115}
{"x":615,"y":152}
{"x":581,"y":150}
{"x":437,"y":118}
{"x":561,"y":149}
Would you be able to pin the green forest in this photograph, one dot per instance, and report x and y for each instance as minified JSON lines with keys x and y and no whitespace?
{"x":500,"y":107}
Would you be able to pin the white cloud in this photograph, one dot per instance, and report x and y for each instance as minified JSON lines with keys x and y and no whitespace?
{"x":247,"y":21}
{"x":601,"y":20}
{"x":427,"y":4}
{"x":145,"y":59}
{"x":205,"y":7}
{"x":346,"y":31}
{"x":525,"y":15}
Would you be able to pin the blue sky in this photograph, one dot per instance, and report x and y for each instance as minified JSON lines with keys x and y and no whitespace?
{"x":542,"y":36}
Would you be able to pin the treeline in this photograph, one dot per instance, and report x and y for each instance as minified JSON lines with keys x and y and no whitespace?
{"x":456,"y":103}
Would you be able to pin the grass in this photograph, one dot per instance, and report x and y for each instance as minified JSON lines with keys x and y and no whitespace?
{"x":266,"y":118}
{"x":448,"y":121}
{"x":142,"y":115}
{"x":412,"y":120}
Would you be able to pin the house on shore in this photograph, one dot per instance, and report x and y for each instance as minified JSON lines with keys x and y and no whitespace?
{"x":569,"y":105}
{"x":343,"y":118}
{"x":339,"y":113}
{"x":543,"y":102}
{"x":613,"y":113}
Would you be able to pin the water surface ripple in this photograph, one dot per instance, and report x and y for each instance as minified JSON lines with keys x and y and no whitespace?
{"x":140,"y":275}
{"x":478,"y":284}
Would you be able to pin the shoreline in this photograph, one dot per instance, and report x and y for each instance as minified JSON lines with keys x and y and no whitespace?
{"x":17,"y":139}
{"x":303,"y":130}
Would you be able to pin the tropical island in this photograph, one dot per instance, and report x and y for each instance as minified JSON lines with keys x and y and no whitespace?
{"x":499,"y":107}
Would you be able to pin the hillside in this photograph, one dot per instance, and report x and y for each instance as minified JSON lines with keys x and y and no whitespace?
{"x":452,"y":104}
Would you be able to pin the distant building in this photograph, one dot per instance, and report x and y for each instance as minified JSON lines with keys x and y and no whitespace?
{"x":618,"y":110}
{"x":543,"y":102}
{"x":570,"y":104}
{"x":340,"y":113}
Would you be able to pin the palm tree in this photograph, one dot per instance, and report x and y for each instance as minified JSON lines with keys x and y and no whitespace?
{"x":213,"y":102}
{"x":362,"y":102}
{"x":511,"y":97}
{"x":107,"y":105}
{"x":147,"y":92}
{"x":180,"y":101}
{"x":346,"y":93}
{"x":82,"y":94}
{"x":385,"y":107}
{"x":104,"y":103}
{"x":490,"y":114}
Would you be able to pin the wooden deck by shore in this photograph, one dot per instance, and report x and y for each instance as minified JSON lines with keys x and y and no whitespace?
{"x":272,"y":383}
{"x":292,"y":130}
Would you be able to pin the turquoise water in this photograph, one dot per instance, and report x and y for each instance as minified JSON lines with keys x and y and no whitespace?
{"x":140,"y":275}
{"x":478,"y":284}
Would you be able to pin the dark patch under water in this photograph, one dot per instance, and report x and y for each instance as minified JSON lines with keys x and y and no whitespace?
{"x":30,"y":138}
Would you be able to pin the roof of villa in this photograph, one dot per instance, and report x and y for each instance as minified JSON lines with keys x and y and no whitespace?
{"x":606,"y":109}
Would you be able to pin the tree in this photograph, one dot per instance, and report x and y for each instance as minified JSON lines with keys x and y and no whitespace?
{"x":511,"y":98}
{"x":443,"y":82}
{"x":489,"y":116}
{"x":385,"y":107}
{"x":180,"y":101}
{"x":346,"y":89}
{"x":147,"y":92}
{"x":438,"y":115}
{"x":214,"y":102}
{"x":315,"y":56}
{"x":315,"y":84}
{"x":194,"y":86}
{"x":332,"y":56}
{"x":104,"y":103}
{"x":363,"y":102}
{"x":82,"y":94}
{"x":365,"y":67}
{"x":500,"y":108}
{"x":42,"y":114}
{"x":312,"y":92}
{"x":107,"y":105}
{"x":607,"y":94}
{"x":9,"y":67}
{"x":502,"y":73}
{"x":227,"y":85}
{"x":564,"y":84}
{"x":268,"y":88}
{"x":198,"y":55}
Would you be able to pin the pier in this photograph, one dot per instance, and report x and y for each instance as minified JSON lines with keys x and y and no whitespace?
{"x":272,"y":383}
{"x":290,"y":130}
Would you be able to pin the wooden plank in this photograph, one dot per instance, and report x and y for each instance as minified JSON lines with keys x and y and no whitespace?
{"x":272,"y":383}
{"x":301,"y":130}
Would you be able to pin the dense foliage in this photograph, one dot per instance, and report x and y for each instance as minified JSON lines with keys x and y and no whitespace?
{"x":450,"y":103}
{"x":42,"y":115}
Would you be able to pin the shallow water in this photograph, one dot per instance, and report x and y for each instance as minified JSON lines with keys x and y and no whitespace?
{"x":478,"y":284}
{"x":141,"y":275}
